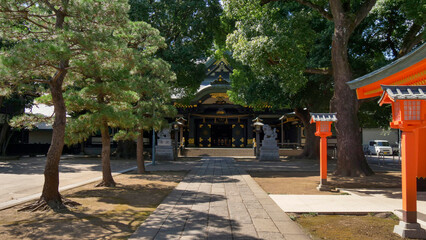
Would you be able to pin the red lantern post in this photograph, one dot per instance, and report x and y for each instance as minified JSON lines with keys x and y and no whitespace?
{"x":323,"y":123}
{"x":409,"y":115}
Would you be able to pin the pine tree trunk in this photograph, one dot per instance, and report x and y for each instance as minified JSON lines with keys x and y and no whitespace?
{"x":350,"y":157}
{"x":107,"y":180}
{"x":3,"y":137}
{"x":139,"y":154}
{"x":311,"y":149}
{"x":50,"y":193}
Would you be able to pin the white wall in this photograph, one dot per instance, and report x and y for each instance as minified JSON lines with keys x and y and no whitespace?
{"x":390,"y":135}
{"x":37,"y":136}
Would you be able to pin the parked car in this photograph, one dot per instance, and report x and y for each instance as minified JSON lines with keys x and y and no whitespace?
{"x":379,"y":147}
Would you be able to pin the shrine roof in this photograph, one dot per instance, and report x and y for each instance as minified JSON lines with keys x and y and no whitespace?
{"x":217,"y":78}
{"x":405,"y":92}
{"x":323,"y":117}
{"x":408,"y":70}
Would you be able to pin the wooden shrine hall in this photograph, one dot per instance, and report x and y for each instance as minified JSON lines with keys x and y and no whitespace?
{"x":212,"y":120}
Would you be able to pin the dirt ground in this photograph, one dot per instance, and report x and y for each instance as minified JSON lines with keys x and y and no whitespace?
{"x":306,"y":182}
{"x":334,"y":227}
{"x":105,"y":213}
{"x":337,"y":227}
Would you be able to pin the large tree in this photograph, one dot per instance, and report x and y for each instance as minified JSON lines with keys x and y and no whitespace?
{"x":49,"y":36}
{"x":102,"y":94}
{"x":153,"y":106}
{"x":150,"y":80}
{"x":189,"y":28}
{"x":346,"y":16}
{"x":275,"y":61}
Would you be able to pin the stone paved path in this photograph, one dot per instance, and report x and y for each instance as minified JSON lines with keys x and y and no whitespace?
{"x":218,"y":200}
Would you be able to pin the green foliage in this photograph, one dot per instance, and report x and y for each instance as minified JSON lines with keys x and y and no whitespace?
{"x":43,"y":44}
{"x":272,"y":46}
{"x":113,"y":73}
{"x":371,"y":115}
{"x":275,"y":43}
{"x":386,"y":30}
{"x":120,"y":85}
{"x":29,"y":121}
{"x":189,"y":28}
{"x":390,"y":26}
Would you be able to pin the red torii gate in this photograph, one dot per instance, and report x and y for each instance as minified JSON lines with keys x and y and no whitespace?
{"x":402,"y":84}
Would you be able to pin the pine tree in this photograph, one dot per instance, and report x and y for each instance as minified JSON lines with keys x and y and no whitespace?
{"x":151,"y":79}
{"x":51,"y":39}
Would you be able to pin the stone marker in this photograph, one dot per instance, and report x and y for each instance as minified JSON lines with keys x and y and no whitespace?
{"x":164,"y":149}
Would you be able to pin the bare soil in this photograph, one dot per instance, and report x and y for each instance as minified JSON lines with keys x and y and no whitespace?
{"x":334,"y":227}
{"x":337,"y":227}
{"x":105,"y":213}
{"x":306,"y":182}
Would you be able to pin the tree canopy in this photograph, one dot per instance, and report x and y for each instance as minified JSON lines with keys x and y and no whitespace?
{"x":276,"y":42}
{"x":189,"y":28}
{"x":51,"y":40}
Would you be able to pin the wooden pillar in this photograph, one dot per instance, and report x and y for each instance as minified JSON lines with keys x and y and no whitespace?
{"x":191,"y":135}
{"x":409,"y":172}
{"x":257,"y":143}
{"x":282,"y":133}
{"x":181,"y":136}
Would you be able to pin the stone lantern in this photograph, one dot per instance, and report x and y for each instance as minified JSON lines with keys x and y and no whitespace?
{"x":323,"y":125}
{"x":408,"y":115}
{"x":258,"y":128}
{"x":176,"y":126}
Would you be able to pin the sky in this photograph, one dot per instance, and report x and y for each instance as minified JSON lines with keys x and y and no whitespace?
{"x":40,"y":109}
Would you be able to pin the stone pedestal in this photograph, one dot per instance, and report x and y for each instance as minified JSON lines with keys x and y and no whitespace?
{"x":410,"y":230}
{"x":269,"y":150}
{"x":323,"y":186}
{"x":164,"y":150}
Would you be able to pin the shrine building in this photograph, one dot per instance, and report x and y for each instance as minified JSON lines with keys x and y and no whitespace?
{"x":212,"y":120}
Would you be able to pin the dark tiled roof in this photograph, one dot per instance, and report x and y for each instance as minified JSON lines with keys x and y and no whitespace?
{"x":405,"y":92}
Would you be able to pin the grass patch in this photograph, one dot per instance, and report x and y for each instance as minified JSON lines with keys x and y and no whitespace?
{"x":337,"y":227}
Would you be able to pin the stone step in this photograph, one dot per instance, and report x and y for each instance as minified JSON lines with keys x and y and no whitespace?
{"x":224,"y":152}
{"x":217,"y":152}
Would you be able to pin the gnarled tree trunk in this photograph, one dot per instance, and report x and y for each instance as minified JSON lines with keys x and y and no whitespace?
{"x":50,"y":192}
{"x":139,"y":153}
{"x":107,"y":180}
{"x":3,"y":137}
{"x":350,"y":156}
{"x":311,"y":149}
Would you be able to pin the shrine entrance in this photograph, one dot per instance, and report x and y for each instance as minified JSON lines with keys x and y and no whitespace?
{"x":229,"y":134}
{"x":221,"y":135}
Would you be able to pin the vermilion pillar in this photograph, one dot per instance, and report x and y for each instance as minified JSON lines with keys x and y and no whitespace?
{"x":323,"y":160}
{"x":409,"y":173}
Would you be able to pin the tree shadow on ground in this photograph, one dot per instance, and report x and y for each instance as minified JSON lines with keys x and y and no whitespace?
{"x":162,"y":176}
{"x":105,"y":212}
{"x":378,"y":180}
{"x":277,"y":174}
{"x":37,"y":165}
{"x":69,"y":224}
{"x":193,"y":223}
{"x":26,"y":167}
